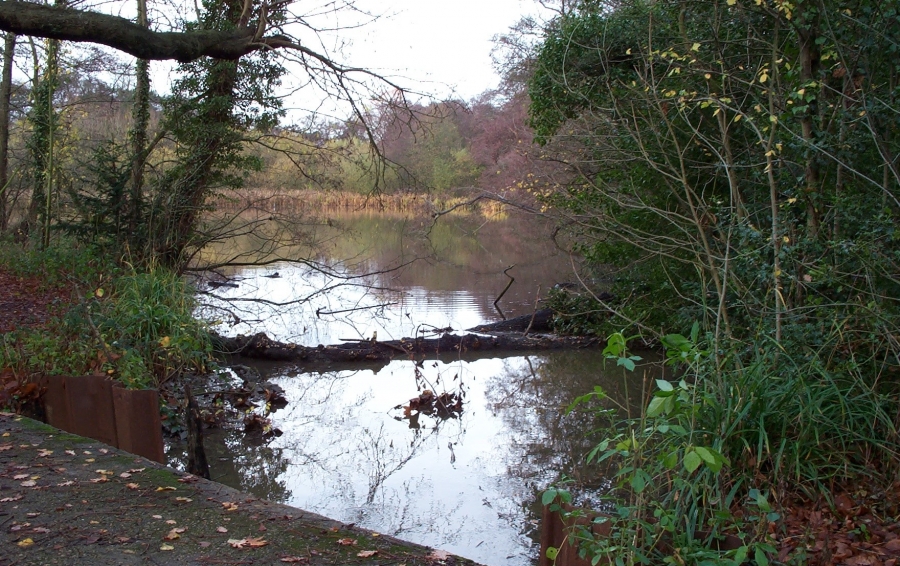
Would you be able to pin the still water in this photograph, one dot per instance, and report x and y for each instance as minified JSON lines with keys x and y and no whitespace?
{"x":466,"y":483}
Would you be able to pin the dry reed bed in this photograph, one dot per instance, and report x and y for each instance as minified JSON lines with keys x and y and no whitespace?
{"x":306,"y":202}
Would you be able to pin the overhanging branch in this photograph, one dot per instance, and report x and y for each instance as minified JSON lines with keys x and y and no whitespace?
{"x":124,"y":35}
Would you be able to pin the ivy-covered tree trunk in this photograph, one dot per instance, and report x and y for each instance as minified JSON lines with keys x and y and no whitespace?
{"x":43,"y":121}
{"x":138,"y":135}
{"x":213,"y":136}
{"x":5,"y":91}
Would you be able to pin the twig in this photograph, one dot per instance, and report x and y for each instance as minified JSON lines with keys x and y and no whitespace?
{"x":508,"y":285}
{"x":319,"y":311}
{"x":537,"y":298}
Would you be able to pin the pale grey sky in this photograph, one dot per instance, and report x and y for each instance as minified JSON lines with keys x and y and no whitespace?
{"x":444,"y":42}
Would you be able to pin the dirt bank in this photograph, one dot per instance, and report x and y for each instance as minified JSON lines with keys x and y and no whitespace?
{"x":68,"y":500}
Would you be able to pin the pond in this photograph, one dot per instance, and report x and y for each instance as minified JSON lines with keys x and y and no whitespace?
{"x":465,"y":482}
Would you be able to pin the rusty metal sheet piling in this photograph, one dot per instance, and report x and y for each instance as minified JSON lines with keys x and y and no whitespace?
{"x":99,"y":408}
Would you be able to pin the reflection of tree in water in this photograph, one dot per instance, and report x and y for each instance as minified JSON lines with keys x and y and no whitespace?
{"x":240,"y":463}
{"x":545,"y":443}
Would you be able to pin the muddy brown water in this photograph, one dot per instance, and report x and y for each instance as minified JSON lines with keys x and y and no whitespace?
{"x":465,"y":483}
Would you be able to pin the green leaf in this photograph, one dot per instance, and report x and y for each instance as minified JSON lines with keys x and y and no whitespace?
{"x":762,"y":503}
{"x":664,"y":385}
{"x":706,"y":454}
{"x":656,"y":406}
{"x":626,"y":362}
{"x":740,"y":555}
{"x":638,"y":482}
{"x":548,"y":496}
{"x":761,"y":559}
{"x":711,"y":457}
{"x":692,"y":461}
{"x":671,"y":460}
{"x":552,"y":552}
{"x":695,"y":332}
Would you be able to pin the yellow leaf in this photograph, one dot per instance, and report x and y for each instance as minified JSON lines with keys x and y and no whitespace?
{"x":628,"y":51}
{"x":695,"y":47}
{"x":763,"y":77}
{"x":707,"y":76}
{"x":165,"y":341}
{"x":738,"y":117}
{"x":25,"y":543}
{"x":731,"y":2}
{"x":165,"y":488}
{"x":99,"y":292}
{"x":167,"y":547}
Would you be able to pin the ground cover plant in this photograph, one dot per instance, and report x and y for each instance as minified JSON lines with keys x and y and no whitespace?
{"x":137,"y":327}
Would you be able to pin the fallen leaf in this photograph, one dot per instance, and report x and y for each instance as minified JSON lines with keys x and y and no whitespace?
{"x":31,"y":515}
{"x":90,"y":460}
{"x":249,"y":542}
{"x":70,"y":452}
{"x":293,"y":559}
{"x":8,"y":499}
{"x":157,"y":516}
{"x":229,"y":506}
{"x":20,"y":476}
{"x":438,"y":555}
{"x":101,"y":479}
{"x":136,"y":470}
{"x":366,"y":553}
{"x":221,"y":530}
{"x":25,"y":542}
{"x":125,"y":475}
{"x":167,"y":547}
{"x":346,"y":541}
{"x":6,"y":447}
{"x":171,"y":521}
{"x":183,"y":499}
{"x":204,"y":544}
{"x":893,"y":546}
{"x":165,"y":488}
{"x":43,"y":452}
{"x":40,"y":530}
{"x":65,"y":483}
{"x":103,"y":451}
{"x":172,"y":535}
{"x":132,"y":485}
{"x":29,"y":483}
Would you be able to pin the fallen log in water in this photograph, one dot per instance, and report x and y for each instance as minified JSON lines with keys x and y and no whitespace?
{"x":537,"y":322}
{"x":260,"y":346}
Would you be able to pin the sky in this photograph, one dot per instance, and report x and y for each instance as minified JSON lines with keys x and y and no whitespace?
{"x":442,"y":45}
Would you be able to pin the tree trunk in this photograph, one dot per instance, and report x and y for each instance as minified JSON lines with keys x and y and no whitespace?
{"x":810,"y":62}
{"x":5,"y":90}
{"x":43,"y":120}
{"x":141,"y":121}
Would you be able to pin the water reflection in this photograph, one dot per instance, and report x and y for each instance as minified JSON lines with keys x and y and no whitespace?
{"x":467,"y":484}
{"x":464,"y":484}
{"x":421,"y":276}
